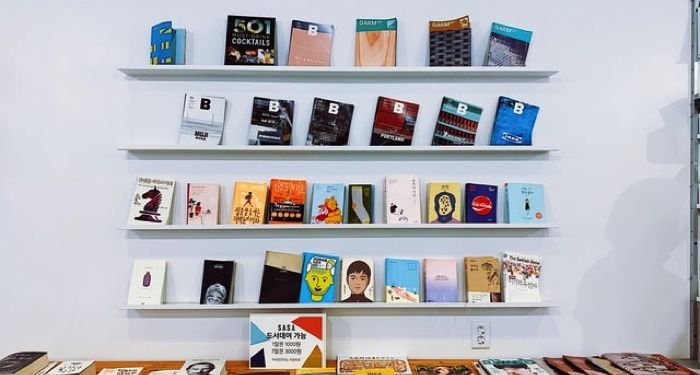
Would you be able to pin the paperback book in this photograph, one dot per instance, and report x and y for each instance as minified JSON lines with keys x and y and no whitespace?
{"x":328,"y":201}
{"x":524,"y":203}
{"x":482,"y":276}
{"x":606,"y":366}
{"x":561,"y":366}
{"x":287,"y":201}
{"x":310,"y":44}
{"x":402,"y":280}
{"x":508,"y":45}
{"x":451,"y":42}
{"x":24,"y":363}
{"x":165,"y":41}
{"x":287,"y":341}
{"x":202,"y":120}
{"x":357,"y":280}
{"x":204,"y":367}
{"x":506,"y":366}
{"x":121,"y":371}
{"x":250,"y":41}
{"x":319,"y":278}
{"x":583,"y":365}
{"x":218,"y":277}
{"x":281,"y":278}
{"x":74,"y":368}
{"x":464,"y":369}
{"x":330,"y":123}
{"x":521,"y":277}
{"x":444,"y":202}
{"x":394,"y":122}
{"x":440,"y":280}
{"x":360,"y":204}
{"x":348,"y":365}
{"x":249,"y":202}
{"x":271,"y":122}
{"x":43,"y":371}
{"x":482,"y":203}
{"x":456,"y":124}
{"x":375,"y":42}
{"x":147,"y":285}
{"x":514,"y":123}
{"x":647,"y":364}
{"x":202,"y":204}
{"x":402,"y":199}
{"x":152,"y":201}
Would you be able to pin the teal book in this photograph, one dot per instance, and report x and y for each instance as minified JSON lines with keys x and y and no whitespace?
{"x":327,"y":204}
{"x":319,"y":278}
{"x":180,"y":46}
{"x":508,"y":45}
{"x":402,"y":280}
{"x":524,"y":203}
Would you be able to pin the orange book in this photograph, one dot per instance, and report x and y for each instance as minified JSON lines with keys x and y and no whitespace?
{"x":249,"y":202}
{"x":287,"y":200}
{"x":375,"y":42}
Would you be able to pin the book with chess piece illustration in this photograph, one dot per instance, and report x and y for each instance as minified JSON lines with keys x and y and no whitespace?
{"x":152,"y":201}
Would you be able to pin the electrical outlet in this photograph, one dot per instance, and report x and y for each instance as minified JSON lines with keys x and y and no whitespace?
{"x":481,"y":335}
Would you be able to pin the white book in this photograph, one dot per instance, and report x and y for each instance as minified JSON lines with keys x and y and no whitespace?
{"x":402,"y":199}
{"x":203,"y":367}
{"x":357,"y":280}
{"x":521,"y":277}
{"x":47,"y":368}
{"x":147,"y":282}
{"x":202,"y":120}
{"x":74,"y":368}
{"x":152,"y":201}
{"x":121,"y":371}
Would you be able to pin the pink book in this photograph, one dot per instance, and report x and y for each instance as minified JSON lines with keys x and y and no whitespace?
{"x":202,"y":204}
{"x":440,"y":280}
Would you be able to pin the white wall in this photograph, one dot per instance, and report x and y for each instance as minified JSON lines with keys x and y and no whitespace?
{"x":618,"y":186}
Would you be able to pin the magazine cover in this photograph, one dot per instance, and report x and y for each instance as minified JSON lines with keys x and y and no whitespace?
{"x":202,"y":120}
{"x":375,"y":42}
{"x":310,"y":44}
{"x":514,"y":123}
{"x":521,"y":277}
{"x":394,"y":122}
{"x":503,"y":366}
{"x":508,"y":45}
{"x":271,"y":122}
{"x":330,"y":123}
{"x":451,"y":42}
{"x":456,"y":124}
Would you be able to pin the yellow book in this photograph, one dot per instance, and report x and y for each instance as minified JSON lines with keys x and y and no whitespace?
{"x":445,"y":202}
{"x":249,"y":202}
{"x":315,"y":370}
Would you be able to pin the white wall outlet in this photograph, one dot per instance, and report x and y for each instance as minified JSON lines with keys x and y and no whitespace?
{"x":481,"y":335}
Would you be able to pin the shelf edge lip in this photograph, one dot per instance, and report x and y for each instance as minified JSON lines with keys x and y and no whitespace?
{"x":319,"y":227}
{"x":337,"y":149}
{"x":341,"y":306}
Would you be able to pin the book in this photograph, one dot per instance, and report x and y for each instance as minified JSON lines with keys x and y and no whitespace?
{"x":281,"y":278}
{"x":357,"y":280}
{"x":394,"y":122}
{"x":375,"y":42}
{"x":250,"y":41}
{"x":330,"y":123}
{"x":561,"y":366}
{"x":445,"y":370}
{"x":457,"y":123}
{"x":202,"y":204}
{"x":347,"y":365}
{"x":319,"y":278}
{"x":440,"y":280}
{"x":271,"y":122}
{"x":327,"y":202}
{"x":402,"y":199}
{"x":514,"y":123}
{"x":524,"y":203}
{"x":451,"y":42}
{"x":360,"y":204}
{"x":444,"y":202}
{"x":121,"y":371}
{"x":45,"y":370}
{"x":180,"y":46}
{"x":316,"y":371}
{"x":402,"y":280}
{"x":521,"y":277}
{"x":218,"y":280}
{"x":74,"y":368}
{"x":287,"y":201}
{"x":647,"y":364}
{"x":482,"y":203}
{"x":310,"y":44}
{"x":23,"y":363}
{"x":163,"y":44}
{"x":583,"y":365}
{"x":147,"y":285}
{"x":202,"y":120}
{"x":606,"y":366}
{"x":249,"y":203}
{"x":204,"y":367}
{"x":287,"y":341}
{"x":505,"y":366}
{"x":482,"y":276}
{"x":152,"y":201}
{"x":508,"y":45}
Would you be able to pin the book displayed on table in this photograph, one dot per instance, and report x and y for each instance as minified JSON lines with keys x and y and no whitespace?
{"x":524,"y":203}
{"x":357,"y":280}
{"x":521,"y":277}
{"x":218,"y":280}
{"x":451,"y":42}
{"x":202,"y":120}
{"x":605,"y":365}
{"x":271,"y":336}
{"x":310,"y":44}
{"x":249,"y":203}
{"x":121,"y":371}
{"x":375,"y":42}
{"x":360,"y":208}
{"x":582,"y":364}
{"x":250,"y":41}
{"x":394,"y":122}
{"x":482,"y":276}
{"x":271,"y":122}
{"x":402,"y":280}
{"x":47,"y":368}
{"x":319,"y":278}
{"x":202,"y":204}
{"x":465,"y":369}
{"x":152,"y":201}
{"x":147,"y":285}
{"x":402,"y":199}
{"x":506,"y":366}
{"x":456,"y":124}
{"x":508,"y":46}
{"x":327,"y":203}
{"x":644,"y":364}
{"x":348,"y":365}
{"x":204,"y":367}
{"x":440,"y":280}
{"x":482,"y":203}
{"x":287,"y":201}
{"x":24,"y":363}
{"x":514,"y":123}
{"x":444,"y":202}
{"x":562,"y":366}
{"x":74,"y":368}
{"x":330,"y":123}
{"x":281,"y":278}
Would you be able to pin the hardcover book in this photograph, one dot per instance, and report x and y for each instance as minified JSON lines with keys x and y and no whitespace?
{"x":204,"y":367}
{"x":521,"y":277}
{"x":249,"y":203}
{"x":163,"y":44}
{"x":250,"y":41}
{"x":505,"y":366}
{"x":444,"y":202}
{"x":394,"y":122}
{"x":647,"y":364}
{"x":451,"y":42}
{"x":508,"y":45}
{"x":121,"y":371}
{"x":152,"y":201}
{"x":581,"y":364}
{"x":440,"y":280}
{"x":375,"y":42}
{"x":328,"y":201}
{"x":402,"y":199}
{"x":330,"y":123}
{"x":481,"y":203}
{"x":271,"y":122}
{"x":606,"y":366}
{"x":310,"y":44}
{"x":482,"y":276}
{"x":147,"y":282}
{"x":360,"y":204}
{"x":561,"y":366}
{"x":456,"y":124}
{"x":464,"y":369}
{"x":218,"y":277}
{"x":357,"y":280}
{"x":319,"y":275}
{"x":74,"y":368}
{"x":202,"y":120}
{"x":347,"y":365}
{"x":202,"y":204}
{"x":287,"y":201}
{"x":402,"y":280}
{"x":514,"y":123}
{"x":23,"y":363}
{"x":281,"y":278}
{"x":272,"y":336}
{"x":524,"y":203}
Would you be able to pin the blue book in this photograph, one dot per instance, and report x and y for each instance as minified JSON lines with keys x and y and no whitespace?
{"x":319,"y":278}
{"x":508,"y":45}
{"x":513,"y":123}
{"x":163,"y":44}
{"x":481,"y":203}
{"x":524,"y":203}
{"x":180,"y":46}
{"x":327,"y":203}
{"x":402,"y":280}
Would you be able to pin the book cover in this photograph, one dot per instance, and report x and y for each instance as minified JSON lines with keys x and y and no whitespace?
{"x":647,"y":364}
{"x":202,"y":204}
{"x":482,"y":276}
{"x":152,"y":201}
{"x":287,"y":201}
{"x":465,"y":369}
{"x":360,"y":204}
{"x":271,"y":122}
{"x":583,"y":365}
{"x":147,"y":285}
{"x":24,"y":363}
{"x":481,"y":203}
{"x":606,"y":366}
{"x":163,"y":44}
{"x":121,"y":371}
{"x":202,"y":120}
{"x":347,"y":365}
{"x":444,"y":202}
{"x":180,"y":47}
{"x":310,"y":44}
{"x":561,"y":366}
{"x":440,"y":280}
{"x":375,"y":42}
{"x":204,"y":367}
{"x":514,"y":123}
{"x":319,"y":278}
{"x":218,"y":277}
{"x":74,"y":368}
{"x":44,"y":370}
{"x":249,"y":203}
{"x":456,"y":124}
{"x":451,"y":42}
{"x":281,"y":278}
{"x":330,"y":123}
{"x":508,"y":45}
{"x":394,"y":122}
{"x":506,"y":366}
{"x":357,"y":280}
{"x":402,"y":199}
{"x":250,"y":41}
{"x":327,"y":202}
{"x":525,"y":203}
{"x":402,"y":280}
{"x":521,"y":277}
{"x":287,"y":341}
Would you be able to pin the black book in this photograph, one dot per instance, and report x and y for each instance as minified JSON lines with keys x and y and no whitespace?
{"x":281,"y":279}
{"x":24,"y":363}
{"x":250,"y":41}
{"x":330,"y":123}
{"x":217,"y":282}
{"x":271,"y":122}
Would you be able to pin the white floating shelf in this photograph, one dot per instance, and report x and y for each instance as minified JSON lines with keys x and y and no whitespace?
{"x":342,"y":227}
{"x":341,"y":306}
{"x":364,"y":150}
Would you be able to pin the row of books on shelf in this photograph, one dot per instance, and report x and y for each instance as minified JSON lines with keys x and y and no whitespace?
{"x":271,"y":122}
{"x":285,"y":202}
{"x":321,"y":278}
{"x":253,"y":41}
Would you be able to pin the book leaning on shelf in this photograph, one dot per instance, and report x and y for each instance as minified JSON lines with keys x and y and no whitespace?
{"x":327,"y":203}
{"x":375,"y":42}
{"x":271,"y":122}
{"x":202,"y":204}
{"x":310,"y":44}
{"x":508,"y":45}
{"x":249,"y":203}
{"x":319,"y":278}
{"x":250,"y":41}
{"x":451,"y":42}
{"x":152,"y":201}
{"x":514,"y":123}
{"x":147,"y":285}
{"x":357,"y":280}
{"x":218,"y":280}
{"x":521,"y":277}
{"x":167,"y":44}
{"x":202,"y":120}
{"x":402,"y":199}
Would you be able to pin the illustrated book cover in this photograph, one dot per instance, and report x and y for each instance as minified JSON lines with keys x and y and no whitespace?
{"x":394,"y":122}
{"x":43,"y":370}
{"x":347,"y":365}
{"x":202,"y":120}
{"x":330,"y":123}
{"x":375,"y":42}
{"x":218,"y":278}
{"x":287,"y":201}
{"x":647,"y":364}
{"x":521,"y":277}
{"x":319,"y":278}
{"x":271,"y":122}
{"x":506,"y":366}
{"x":164,"y":44}
{"x":465,"y":369}
{"x":482,"y":277}
{"x":524,"y":203}
{"x":147,"y":285}
{"x":250,"y":41}
{"x":514,"y":123}
{"x":287,"y":341}
{"x":249,"y":203}
{"x":402,"y":280}
{"x":202,"y":204}
{"x":310,"y":44}
{"x":456,"y":124}
{"x":451,"y":42}
{"x":281,"y":278}
{"x":582,"y":364}
{"x":482,"y":203}
{"x":357,"y":280}
{"x":23,"y":363}
{"x":444,"y":202}
{"x":508,"y":45}
{"x":561,"y":366}
{"x":606,"y":366}
{"x":440,"y":280}
{"x":74,"y":368}
{"x":204,"y":367}
{"x":360,"y":204}
{"x":152,"y":201}
{"x":402,"y":199}
{"x":327,"y":203}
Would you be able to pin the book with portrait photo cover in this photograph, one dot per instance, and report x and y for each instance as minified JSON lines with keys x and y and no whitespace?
{"x":203,"y":367}
{"x":217,"y":282}
{"x":357,"y":280}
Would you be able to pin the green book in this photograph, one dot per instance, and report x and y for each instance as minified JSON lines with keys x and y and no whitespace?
{"x":360,"y":204}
